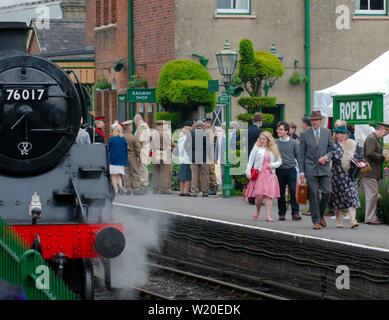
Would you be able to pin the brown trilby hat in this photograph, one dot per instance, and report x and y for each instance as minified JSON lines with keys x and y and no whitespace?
{"x":316,"y":115}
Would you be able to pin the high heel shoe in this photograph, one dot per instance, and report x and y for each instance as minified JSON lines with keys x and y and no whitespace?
{"x":255,"y":217}
{"x":354,"y":224}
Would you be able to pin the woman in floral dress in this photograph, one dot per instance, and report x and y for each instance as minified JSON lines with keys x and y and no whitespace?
{"x":344,"y":188}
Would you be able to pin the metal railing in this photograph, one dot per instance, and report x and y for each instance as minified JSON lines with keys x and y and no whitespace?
{"x":25,"y":267}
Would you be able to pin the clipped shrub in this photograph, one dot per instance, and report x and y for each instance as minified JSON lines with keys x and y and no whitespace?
{"x":183,"y":86}
{"x":175,"y":118}
{"x":248,"y":117}
{"x":254,"y":104}
{"x":103,"y":84}
{"x":257,"y":68}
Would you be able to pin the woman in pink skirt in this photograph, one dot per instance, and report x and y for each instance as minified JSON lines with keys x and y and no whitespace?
{"x":265,"y":157}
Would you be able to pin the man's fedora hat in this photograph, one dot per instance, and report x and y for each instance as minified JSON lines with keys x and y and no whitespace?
{"x":316,"y":115}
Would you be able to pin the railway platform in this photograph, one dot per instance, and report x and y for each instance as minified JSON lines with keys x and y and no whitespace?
{"x":235,"y":211}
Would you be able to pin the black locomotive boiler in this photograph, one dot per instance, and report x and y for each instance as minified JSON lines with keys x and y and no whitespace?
{"x":54,"y":193}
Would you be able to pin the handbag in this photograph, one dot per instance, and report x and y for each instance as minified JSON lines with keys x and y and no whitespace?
{"x":360,"y":166}
{"x":254,"y":174}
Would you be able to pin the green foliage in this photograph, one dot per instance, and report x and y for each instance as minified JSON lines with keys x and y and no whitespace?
{"x":269,"y":130}
{"x":248,"y":117}
{"x":383,"y":202}
{"x":297,"y":78}
{"x":239,"y":183}
{"x":103,"y":84}
{"x":183,"y":86}
{"x":174,"y":117}
{"x":254,"y":104}
{"x":257,"y":69}
{"x":175,"y":177}
{"x":137,"y":82}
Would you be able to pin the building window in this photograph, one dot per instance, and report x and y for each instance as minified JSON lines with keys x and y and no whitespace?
{"x":233,"y":6}
{"x":370,"y":7}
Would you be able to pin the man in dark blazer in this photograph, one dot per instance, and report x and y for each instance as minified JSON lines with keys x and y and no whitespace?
{"x":253,"y":134}
{"x":254,"y":131}
{"x":316,"y":149}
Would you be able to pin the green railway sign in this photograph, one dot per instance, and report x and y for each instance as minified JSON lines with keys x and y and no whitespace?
{"x":141,"y":95}
{"x":224,"y":99}
{"x":360,"y":108}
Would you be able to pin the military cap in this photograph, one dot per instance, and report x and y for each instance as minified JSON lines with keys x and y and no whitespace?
{"x":127,"y":122}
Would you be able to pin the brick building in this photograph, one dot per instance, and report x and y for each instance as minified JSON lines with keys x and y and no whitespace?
{"x":344,"y":35}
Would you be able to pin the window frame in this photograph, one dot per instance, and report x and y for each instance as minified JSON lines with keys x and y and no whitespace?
{"x":235,"y":11}
{"x":369,"y":12}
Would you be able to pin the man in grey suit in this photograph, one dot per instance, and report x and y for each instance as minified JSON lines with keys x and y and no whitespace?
{"x":316,"y":148}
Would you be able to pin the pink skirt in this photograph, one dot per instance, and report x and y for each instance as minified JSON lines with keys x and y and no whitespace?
{"x":265,"y":186}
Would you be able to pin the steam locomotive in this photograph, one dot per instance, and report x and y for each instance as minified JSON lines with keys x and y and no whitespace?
{"x":54,"y":193}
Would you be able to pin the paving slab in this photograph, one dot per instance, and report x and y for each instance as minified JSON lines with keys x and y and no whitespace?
{"x":235,"y":210}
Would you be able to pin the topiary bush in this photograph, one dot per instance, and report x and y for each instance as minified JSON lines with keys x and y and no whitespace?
{"x":257,"y":69}
{"x":255,"y":104}
{"x":183,"y":86}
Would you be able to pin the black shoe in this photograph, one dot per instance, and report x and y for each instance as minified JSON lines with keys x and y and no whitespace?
{"x":138,"y":193}
{"x":212,"y":193}
{"x":281,"y":218}
{"x":296,"y":216}
{"x":205,"y":195}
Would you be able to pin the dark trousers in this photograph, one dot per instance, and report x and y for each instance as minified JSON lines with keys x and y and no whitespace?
{"x":318,"y":206}
{"x":287,"y":177}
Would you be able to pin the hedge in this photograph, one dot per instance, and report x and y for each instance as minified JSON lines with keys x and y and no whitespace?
{"x":174,"y":117}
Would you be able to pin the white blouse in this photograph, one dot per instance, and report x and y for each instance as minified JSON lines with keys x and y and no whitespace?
{"x":256,"y":160}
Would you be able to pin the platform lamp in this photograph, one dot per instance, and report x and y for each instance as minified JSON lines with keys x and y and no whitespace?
{"x":274,"y":51}
{"x":226,"y":60}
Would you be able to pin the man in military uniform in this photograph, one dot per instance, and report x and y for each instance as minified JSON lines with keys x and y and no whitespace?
{"x":162,"y":146}
{"x":142,"y":133}
{"x":97,"y":132}
{"x":132,"y":177}
{"x":210,"y":130}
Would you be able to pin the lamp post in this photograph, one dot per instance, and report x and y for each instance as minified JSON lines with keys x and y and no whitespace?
{"x":226,"y":60}
{"x":274,"y":51}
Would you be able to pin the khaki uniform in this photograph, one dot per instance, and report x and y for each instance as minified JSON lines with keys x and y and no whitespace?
{"x":132,"y":177}
{"x":211,"y":165}
{"x":161,"y":147}
{"x":373,"y":154}
{"x":142,"y":133}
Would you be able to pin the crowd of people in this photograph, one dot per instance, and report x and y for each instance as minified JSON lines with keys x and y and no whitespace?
{"x":328,"y":162}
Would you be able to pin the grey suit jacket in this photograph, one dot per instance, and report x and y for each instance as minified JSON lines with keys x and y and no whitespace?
{"x":311,"y":152}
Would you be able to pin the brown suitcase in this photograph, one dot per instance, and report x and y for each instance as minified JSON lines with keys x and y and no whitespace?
{"x":302,"y":193}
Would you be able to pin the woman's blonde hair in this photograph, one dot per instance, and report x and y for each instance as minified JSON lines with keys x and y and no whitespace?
{"x":271,"y":144}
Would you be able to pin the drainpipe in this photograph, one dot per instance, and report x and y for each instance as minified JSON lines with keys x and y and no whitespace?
{"x":130,"y":41}
{"x":131,"y":52}
{"x":307,"y":57}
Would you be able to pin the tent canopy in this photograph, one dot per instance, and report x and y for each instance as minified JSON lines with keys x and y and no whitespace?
{"x":371,"y":79}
